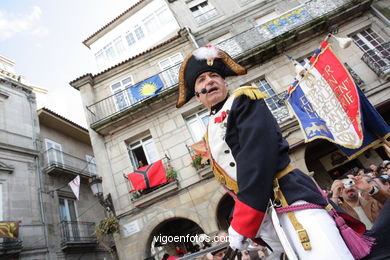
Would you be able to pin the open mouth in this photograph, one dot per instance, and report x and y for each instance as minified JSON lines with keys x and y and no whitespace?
{"x":212,"y":89}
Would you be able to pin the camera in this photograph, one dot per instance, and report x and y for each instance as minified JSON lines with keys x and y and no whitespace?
{"x":348,"y":183}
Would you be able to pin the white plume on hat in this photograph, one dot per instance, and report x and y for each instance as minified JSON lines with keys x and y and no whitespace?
{"x":209,"y":52}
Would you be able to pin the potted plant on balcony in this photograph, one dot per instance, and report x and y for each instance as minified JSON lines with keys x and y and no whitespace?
{"x":197,"y":161}
{"x":171,"y":173}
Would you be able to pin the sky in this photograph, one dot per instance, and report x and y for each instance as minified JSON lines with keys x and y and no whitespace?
{"x":44,"y":38}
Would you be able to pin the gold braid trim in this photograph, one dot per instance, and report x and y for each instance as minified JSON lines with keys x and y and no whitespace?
{"x":182,"y":86}
{"x":251,"y":92}
{"x":234,"y":66}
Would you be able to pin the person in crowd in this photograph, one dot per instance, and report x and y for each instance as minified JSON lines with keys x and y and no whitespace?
{"x":345,"y":193}
{"x":250,"y":158}
{"x":180,"y":251}
{"x":373,"y":168}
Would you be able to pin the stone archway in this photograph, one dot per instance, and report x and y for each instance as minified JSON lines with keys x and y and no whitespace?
{"x":174,"y":232}
{"x":223,"y":211}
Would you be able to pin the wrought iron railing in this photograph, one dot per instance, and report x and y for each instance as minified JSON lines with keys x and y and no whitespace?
{"x":291,"y":20}
{"x":77,"y":232}
{"x":236,"y":46}
{"x":378,"y":59}
{"x":206,"y":16}
{"x":53,"y":158}
{"x":121,"y":101}
{"x":8,"y":245}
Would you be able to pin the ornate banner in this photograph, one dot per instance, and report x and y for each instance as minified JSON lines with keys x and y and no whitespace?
{"x":326,"y":101}
{"x":329,"y":105}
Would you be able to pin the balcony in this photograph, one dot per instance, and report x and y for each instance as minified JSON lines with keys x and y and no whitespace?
{"x":121,"y":103}
{"x":206,"y":16}
{"x":253,"y":46}
{"x":10,"y":247}
{"x":77,"y":236}
{"x":149,"y":196}
{"x":378,"y":60}
{"x":313,"y":17}
{"x":56,"y":162}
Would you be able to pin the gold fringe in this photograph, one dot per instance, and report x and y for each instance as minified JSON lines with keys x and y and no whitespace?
{"x":251,"y":92}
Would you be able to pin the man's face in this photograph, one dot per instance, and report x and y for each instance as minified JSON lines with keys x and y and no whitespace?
{"x":350,"y":194}
{"x":214,"y":83}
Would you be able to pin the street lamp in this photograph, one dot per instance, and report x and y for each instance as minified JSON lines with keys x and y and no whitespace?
{"x":97,"y":190}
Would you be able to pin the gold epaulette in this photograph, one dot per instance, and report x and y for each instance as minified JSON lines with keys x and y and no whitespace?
{"x":250,"y":91}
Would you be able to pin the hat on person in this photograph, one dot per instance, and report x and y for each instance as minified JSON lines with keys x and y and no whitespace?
{"x":204,"y":59}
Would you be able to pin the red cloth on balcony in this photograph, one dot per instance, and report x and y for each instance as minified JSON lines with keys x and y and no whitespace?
{"x":148,"y":176}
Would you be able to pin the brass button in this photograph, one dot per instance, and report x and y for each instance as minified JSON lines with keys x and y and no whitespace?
{"x":232,"y":164}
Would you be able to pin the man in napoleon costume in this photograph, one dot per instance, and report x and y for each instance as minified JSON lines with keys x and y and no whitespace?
{"x":250,"y":158}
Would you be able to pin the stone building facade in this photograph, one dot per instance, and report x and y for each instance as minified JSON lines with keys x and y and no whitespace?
{"x":40,"y":153}
{"x":20,"y":183}
{"x":258,"y":34}
{"x":66,"y":152}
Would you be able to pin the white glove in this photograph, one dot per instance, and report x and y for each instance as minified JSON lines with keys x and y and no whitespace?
{"x":237,"y":241}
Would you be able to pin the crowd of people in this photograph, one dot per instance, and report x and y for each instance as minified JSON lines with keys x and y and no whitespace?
{"x":361,"y":193}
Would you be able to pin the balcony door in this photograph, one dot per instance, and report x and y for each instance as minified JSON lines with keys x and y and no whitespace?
{"x":123,"y":97}
{"x":54,"y":153}
{"x":170,"y":67}
{"x":68,"y":218}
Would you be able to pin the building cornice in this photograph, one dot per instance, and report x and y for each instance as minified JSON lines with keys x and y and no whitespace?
{"x":124,"y":65}
{"x":113,"y":23}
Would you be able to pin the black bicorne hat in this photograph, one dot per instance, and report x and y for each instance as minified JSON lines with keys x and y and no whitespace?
{"x":208,"y":58}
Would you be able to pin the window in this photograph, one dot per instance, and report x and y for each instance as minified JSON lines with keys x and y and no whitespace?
{"x":54,"y":153}
{"x":68,"y":214}
{"x":118,"y":43}
{"x":274,"y":103}
{"x":151,"y":23}
{"x":123,"y":98}
{"x":197,"y":124}
{"x":130,"y":38}
{"x":91,"y":164}
{"x":100,"y":59}
{"x":367,"y":40}
{"x":202,"y":10}
{"x":143,"y":152}
{"x":163,"y":15}
{"x":139,"y":33}
{"x":110,"y":52}
{"x":376,"y":51}
{"x":272,"y":99}
{"x":170,"y":68}
{"x":68,"y":210}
